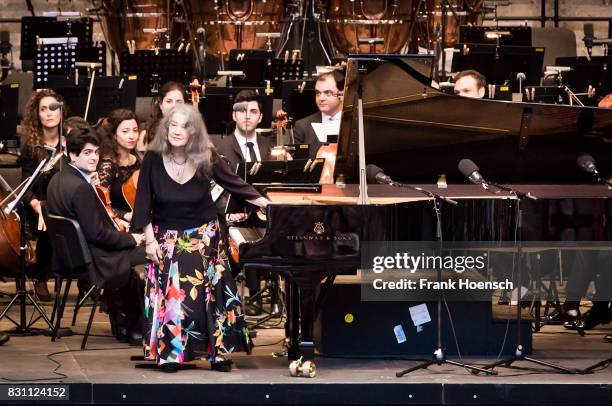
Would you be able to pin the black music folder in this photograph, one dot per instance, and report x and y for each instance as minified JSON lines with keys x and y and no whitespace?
{"x":298,"y":175}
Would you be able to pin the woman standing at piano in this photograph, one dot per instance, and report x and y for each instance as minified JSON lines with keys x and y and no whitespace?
{"x":191,"y":305}
{"x":170,"y":94}
{"x":119,"y":161}
{"x":40,"y":127}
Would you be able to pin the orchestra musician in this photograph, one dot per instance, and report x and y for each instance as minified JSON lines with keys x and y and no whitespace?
{"x":192,"y":308}
{"x":245,"y":145}
{"x":40,"y":127}
{"x":329,"y":99}
{"x":119,"y":160}
{"x":71,"y":194}
{"x":74,"y":122}
{"x":170,"y":94}
{"x":470,"y":83}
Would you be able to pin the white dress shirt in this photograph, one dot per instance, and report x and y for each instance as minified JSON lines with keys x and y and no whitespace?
{"x":242,"y":140}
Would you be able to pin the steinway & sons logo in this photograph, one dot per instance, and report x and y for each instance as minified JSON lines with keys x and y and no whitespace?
{"x":319,"y":228}
{"x":318,"y":234}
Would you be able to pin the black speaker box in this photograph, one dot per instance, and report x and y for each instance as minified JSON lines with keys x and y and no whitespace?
{"x":346,"y":326}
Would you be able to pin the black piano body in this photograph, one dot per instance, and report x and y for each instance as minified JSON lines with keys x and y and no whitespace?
{"x":416,"y":133}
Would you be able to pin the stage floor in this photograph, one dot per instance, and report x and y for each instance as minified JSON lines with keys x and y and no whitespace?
{"x":104,"y":374}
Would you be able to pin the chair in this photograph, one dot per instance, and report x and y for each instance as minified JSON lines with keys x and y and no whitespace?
{"x":71,"y":258}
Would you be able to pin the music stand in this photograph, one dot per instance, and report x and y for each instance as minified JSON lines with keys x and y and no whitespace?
{"x":595,"y":72}
{"x":254,"y":63}
{"x":471,"y":34}
{"x":33,"y":28}
{"x":155,"y":67}
{"x":299,"y":98}
{"x":500,"y":64}
{"x":9,"y":103}
{"x":17,"y":206}
{"x":298,"y":174}
{"x":260,"y":66}
{"x":216,"y":107}
{"x":110,"y":92}
{"x":60,"y":58}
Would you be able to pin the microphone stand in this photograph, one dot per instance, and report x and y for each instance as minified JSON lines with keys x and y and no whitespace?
{"x":518,"y":354}
{"x":439,"y":357}
{"x":23,"y":328}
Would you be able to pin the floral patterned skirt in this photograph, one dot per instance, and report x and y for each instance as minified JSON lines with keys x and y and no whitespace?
{"x":192,"y":308}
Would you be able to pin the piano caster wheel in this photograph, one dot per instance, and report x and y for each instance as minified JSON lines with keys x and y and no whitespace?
{"x":307,"y":369}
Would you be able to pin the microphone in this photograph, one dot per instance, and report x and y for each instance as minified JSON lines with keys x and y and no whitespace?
{"x":468,"y":168}
{"x":55,"y":106}
{"x":587,"y":164}
{"x":376,"y":175}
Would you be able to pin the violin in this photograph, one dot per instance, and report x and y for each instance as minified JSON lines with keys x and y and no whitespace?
{"x":196,"y":90}
{"x":281,"y":123}
{"x":128,"y":189}
{"x":104,"y":196}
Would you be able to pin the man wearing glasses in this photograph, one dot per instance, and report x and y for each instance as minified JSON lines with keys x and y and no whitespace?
{"x":328,"y":95}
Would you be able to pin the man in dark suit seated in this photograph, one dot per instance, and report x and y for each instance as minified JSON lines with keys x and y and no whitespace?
{"x":245,"y":145}
{"x":328,"y":96}
{"x":245,"y":142}
{"x":71,"y":194}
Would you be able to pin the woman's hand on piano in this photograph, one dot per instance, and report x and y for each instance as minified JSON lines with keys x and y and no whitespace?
{"x":154,"y":252}
{"x":237,"y":217}
{"x":259,"y":202}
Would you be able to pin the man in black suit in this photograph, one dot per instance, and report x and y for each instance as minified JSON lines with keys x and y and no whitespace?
{"x":245,"y":142}
{"x":71,"y":194}
{"x":246,"y":145}
{"x":328,"y":96}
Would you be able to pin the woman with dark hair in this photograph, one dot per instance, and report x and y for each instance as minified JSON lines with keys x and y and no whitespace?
{"x":118,"y":159}
{"x":170,"y":94}
{"x":40,"y":126}
{"x":191,"y":305}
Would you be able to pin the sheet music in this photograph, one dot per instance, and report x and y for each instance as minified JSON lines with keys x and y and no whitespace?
{"x":323,"y":130}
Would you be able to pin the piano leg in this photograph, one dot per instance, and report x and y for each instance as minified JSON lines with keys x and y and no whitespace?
{"x":292,"y":325}
{"x":307,"y":305}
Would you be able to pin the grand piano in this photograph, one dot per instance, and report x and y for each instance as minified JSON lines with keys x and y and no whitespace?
{"x":417,"y":133}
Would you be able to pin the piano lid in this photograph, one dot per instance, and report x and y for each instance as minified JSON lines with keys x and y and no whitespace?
{"x":416,"y":133}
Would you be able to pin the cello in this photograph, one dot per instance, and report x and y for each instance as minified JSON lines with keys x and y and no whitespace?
{"x":10,"y":233}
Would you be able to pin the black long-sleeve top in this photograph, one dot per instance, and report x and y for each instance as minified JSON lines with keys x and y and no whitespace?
{"x":174,"y":206}
{"x":29,"y":160}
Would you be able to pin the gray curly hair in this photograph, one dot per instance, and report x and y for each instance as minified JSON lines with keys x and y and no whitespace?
{"x":199,"y":146}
